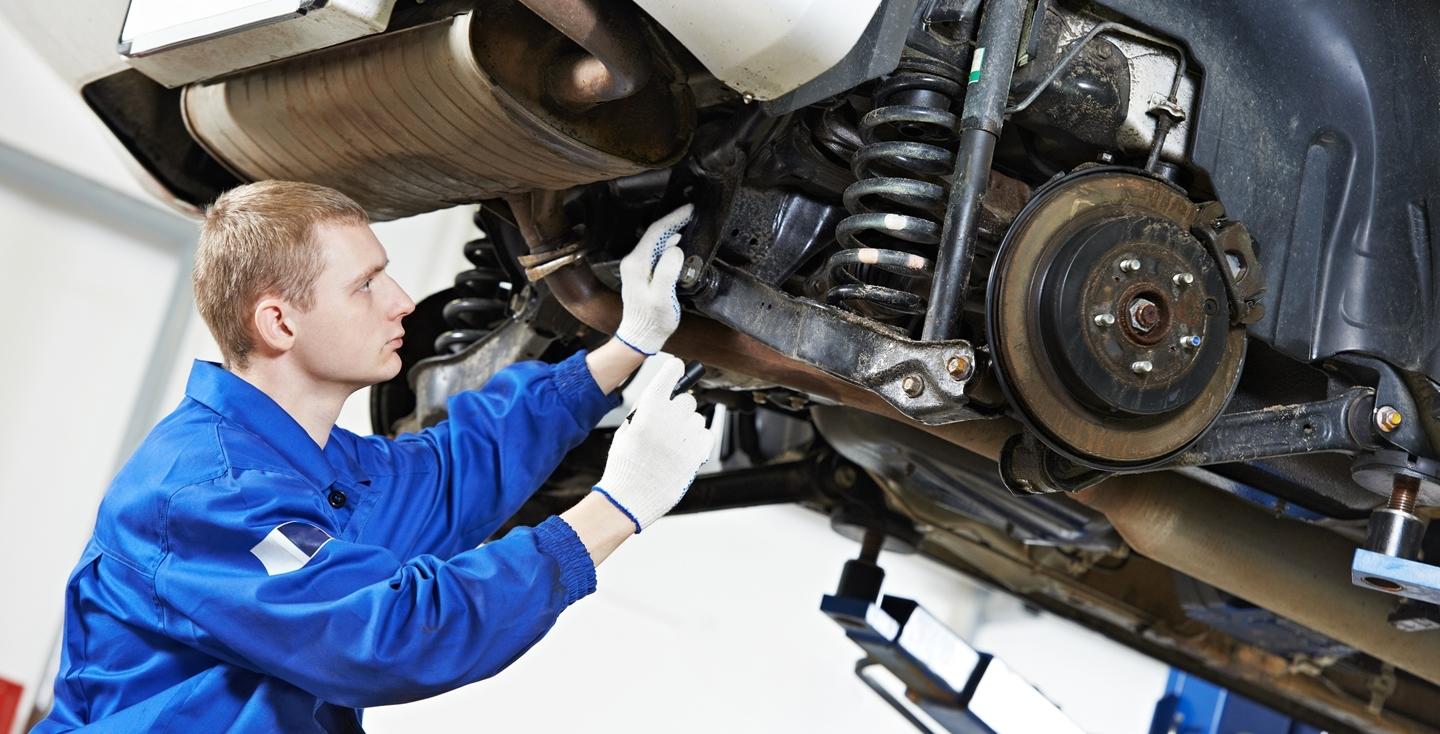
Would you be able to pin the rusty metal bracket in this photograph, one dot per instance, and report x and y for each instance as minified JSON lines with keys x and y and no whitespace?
{"x":1243,"y":280}
{"x":926,"y":381}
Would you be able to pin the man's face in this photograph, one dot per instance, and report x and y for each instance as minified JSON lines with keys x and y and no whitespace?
{"x":351,"y":333}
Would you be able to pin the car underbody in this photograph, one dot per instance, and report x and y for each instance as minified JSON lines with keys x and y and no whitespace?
{"x":1126,"y":307}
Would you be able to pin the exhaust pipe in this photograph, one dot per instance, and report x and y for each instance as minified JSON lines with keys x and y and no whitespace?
{"x":1299,"y":571}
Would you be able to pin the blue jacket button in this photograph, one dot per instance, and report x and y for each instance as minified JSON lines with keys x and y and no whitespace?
{"x":337,"y":498}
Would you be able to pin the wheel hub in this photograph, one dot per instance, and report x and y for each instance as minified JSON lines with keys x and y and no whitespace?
{"x":1109,"y":321}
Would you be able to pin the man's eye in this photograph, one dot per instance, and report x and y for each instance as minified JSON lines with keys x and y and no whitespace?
{"x":366,"y":285}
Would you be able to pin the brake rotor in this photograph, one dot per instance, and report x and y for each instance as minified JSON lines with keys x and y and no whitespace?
{"x":1109,"y":323}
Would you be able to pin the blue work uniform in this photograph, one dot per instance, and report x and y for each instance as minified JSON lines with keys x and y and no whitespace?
{"x":241,"y":579}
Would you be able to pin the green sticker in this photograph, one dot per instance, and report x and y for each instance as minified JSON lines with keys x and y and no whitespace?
{"x":975,"y":65}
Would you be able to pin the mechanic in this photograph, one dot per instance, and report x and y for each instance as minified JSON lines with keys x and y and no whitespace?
{"x":256,"y":568}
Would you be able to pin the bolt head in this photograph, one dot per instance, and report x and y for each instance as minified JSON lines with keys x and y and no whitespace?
{"x":1103,"y":320}
{"x":912,"y":385}
{"x":1141,"y":367}
{"x":1183,"y":279}
{"x":690,"y":271}
{"x":1129,"y":265}
{"x":959,"y":366}
{"x":1190,"y":341}
{"x":1387,"y":418}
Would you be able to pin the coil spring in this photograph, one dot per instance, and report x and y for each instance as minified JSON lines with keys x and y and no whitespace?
{"x":898,"y":201}
{"x":484,"y":301}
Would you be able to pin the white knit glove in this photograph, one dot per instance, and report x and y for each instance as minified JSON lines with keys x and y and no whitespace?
{"x":657,"y":451}
{"x":651,"y":312}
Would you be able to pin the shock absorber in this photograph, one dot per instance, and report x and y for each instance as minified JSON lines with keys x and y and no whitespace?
{"x":898,"y":201}
{"x":484,"y":298}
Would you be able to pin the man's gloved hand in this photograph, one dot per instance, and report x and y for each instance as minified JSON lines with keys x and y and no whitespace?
{"x":647,"y":284}
{"x":657,"y":451}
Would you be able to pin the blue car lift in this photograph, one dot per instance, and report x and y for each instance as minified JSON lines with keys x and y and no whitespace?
{"x":1195,"y":706}
{"x":950,"y":686}
{"x":955,"y":686}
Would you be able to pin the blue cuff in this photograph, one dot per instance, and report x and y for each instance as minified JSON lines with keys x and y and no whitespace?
{"x":577,"y":572}
{"x":577,"y":387}
{"x":621,"y":339}
{"x":619,"y":507}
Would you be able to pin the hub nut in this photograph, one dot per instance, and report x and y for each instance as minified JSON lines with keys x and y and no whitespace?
{"x":912,"y":386}
{"x":1144,"y":315}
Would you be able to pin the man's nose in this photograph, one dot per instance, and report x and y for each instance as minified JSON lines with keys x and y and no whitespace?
{"x":404,"y":305}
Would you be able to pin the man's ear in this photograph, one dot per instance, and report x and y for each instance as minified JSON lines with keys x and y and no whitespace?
{"x":274,"y":329}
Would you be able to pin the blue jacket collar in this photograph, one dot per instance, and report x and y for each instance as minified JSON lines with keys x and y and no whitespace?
{"x":247,"y":406}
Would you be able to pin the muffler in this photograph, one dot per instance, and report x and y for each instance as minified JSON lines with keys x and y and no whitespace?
{"x":453,"y":112}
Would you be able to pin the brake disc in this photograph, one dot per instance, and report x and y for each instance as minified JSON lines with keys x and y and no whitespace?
{"x":1109,"y":322}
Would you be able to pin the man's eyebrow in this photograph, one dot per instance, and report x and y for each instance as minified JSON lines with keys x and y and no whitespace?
{"x":370,"y":273}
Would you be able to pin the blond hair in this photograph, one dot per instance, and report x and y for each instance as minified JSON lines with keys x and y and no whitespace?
{"x":259,"y":240}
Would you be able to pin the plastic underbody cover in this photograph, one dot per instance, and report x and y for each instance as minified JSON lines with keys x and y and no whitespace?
{"x":1315,"y":124}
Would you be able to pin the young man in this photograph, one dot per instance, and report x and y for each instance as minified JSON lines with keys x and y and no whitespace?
{"x":255,"y":568}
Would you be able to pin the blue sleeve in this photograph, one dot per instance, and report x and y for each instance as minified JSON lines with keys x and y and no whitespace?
{"x":354,"y":624}
{"x":450,"y":486}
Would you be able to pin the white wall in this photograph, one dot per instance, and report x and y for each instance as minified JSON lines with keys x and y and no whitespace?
{"x":704,"y":623}
{"x":87,"y":276}
{"x":42,"y":114}
{"x":84,"y":305}
{"x":711,"y":623}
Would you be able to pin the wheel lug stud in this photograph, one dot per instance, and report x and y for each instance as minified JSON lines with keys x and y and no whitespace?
{"x":1103,"y":320}
{"x":1183,"y":279}
{"x":1141,"y":367}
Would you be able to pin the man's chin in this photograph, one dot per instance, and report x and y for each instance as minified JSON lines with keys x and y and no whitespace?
{"x":386,"y":371}
{"x":391,"y":368}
